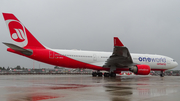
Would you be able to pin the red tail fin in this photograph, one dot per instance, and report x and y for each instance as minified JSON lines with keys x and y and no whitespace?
{"x":20,"y":34}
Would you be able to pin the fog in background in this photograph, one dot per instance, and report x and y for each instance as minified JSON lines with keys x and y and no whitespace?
{"x":144,"y":26}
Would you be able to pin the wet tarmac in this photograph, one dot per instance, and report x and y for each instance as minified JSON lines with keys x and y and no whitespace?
{"x":87,"y":88}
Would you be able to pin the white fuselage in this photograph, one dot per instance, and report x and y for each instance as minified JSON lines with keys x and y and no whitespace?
{"x":156,"y":62}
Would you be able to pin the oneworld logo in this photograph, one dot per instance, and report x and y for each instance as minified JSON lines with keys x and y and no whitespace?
{"x":148,"y":59}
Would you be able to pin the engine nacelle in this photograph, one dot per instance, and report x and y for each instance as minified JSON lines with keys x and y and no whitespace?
{"x":140,"y":69}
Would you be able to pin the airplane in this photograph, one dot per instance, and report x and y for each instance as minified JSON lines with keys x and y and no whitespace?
{"x":25,"y":44}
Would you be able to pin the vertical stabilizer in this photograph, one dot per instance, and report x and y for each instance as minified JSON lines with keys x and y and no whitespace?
{"x":20,"y":34}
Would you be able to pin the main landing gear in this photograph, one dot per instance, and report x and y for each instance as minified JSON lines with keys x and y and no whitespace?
{"x":162,"y":74}
{"x":100,"y":74}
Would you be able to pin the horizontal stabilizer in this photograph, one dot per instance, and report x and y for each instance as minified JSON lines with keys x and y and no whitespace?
{"x":17,"y":48}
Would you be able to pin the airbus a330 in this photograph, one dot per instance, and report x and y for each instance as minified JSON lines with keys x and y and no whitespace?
{"x":25,"y":44}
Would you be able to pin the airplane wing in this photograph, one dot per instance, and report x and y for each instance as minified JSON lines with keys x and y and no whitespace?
{"x":20,"y":49}
{"x":120,"y":57}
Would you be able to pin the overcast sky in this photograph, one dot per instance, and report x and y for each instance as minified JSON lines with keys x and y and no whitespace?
{"x":144,"y":26}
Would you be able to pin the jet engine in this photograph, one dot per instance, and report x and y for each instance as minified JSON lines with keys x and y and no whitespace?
{"x":140,"y":69}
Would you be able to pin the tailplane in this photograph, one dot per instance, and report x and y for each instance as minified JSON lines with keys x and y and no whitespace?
{"x":19,"y":33}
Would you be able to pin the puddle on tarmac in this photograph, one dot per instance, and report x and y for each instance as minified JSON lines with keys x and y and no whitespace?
{"x":32,"y":97}
{"x":80,"y":88}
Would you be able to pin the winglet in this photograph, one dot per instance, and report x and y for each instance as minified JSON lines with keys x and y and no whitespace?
{"x":117,"y":42}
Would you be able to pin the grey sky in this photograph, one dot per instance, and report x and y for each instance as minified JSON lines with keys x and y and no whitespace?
{"x":144,"y":26}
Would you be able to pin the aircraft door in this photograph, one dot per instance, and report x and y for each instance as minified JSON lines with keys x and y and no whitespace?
{"x":51,"y":54}
{"x":94,"y":57}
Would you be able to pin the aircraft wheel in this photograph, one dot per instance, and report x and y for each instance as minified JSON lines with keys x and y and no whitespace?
{"x":113,"y":74}
{"x":162,"y":74}
{"x":94,"y":74}
{"x":106,"y":74}
{"x":99,"y":74}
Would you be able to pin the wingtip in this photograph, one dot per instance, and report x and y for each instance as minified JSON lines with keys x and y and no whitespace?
{"x":117,"y":42}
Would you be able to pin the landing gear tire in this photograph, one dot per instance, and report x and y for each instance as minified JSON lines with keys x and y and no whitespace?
{"x":113,"y":74}
{"x":94,"y":74}
{"x":99,"y":74}
{"x":162,"y":74}
{"x":106,"y":75}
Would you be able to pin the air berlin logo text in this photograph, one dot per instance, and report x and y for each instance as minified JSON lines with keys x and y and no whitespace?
{"x":143,"y":69}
